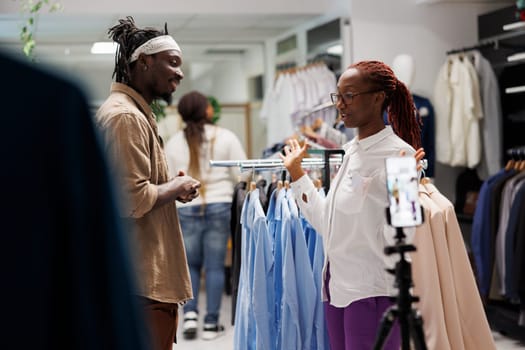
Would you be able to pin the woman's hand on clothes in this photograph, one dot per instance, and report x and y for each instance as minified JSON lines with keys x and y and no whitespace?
{"x":293,"y":156}
{"x":419,"y":155}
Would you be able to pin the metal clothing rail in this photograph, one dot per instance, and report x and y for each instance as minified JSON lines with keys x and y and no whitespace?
{"x":481,"y":45}
{"x":270,"y":164}
{"x":516,"y":152}
{"x":330,"y":157}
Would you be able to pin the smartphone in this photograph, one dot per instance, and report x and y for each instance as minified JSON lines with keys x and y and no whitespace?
{"x":404,"y":209}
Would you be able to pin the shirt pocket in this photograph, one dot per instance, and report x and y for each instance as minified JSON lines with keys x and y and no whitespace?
{"x":351,"y":193}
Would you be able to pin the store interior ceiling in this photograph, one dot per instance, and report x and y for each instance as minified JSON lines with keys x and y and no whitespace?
{"x":203,"y":37}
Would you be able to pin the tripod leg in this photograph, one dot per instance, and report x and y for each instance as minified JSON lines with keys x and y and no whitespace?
{"x":404,"y":324}
{"x":384,"y":328}
{"x":418,"y":335}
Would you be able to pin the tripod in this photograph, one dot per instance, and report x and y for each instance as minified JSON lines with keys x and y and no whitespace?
{"x":410,"y":320}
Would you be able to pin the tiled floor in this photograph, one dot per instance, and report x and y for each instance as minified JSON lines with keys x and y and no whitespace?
{"x":225,"y":341}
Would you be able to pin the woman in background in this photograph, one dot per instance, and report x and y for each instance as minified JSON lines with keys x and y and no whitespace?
{"x":205,"y":222}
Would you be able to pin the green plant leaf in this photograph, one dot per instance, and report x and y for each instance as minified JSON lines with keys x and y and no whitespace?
{"x":159,"y":109}
{"x":216,"y":109}
{"x":27,"y":31}
{"x":28,"y":47}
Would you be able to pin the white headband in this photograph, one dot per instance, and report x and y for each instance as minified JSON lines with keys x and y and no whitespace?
{"x":155,"y":45}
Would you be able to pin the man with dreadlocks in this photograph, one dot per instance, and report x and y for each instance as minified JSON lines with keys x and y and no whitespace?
{"x":147,"y":67}
{"x":356,"y":287}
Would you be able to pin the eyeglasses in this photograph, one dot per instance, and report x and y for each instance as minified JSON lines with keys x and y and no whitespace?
{"x":347,"y":98}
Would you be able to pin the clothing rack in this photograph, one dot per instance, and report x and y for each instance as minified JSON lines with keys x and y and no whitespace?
{"x":485,"y":44}
{"x":292,"y":68}
{"x":482,"y":45}
{"x":516,"y":152}
{"x":272,"y":164}
{"x":325,"y":162}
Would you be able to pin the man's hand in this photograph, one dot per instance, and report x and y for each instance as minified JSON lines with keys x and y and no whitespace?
{"x":182,"y":188}
{"x":188,"y":187}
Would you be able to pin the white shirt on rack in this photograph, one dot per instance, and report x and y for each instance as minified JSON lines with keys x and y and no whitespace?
{"x":465,"y":114}
{"x":458,"y":112}
{"x":491,"y":124}
{"x":352,"y":221}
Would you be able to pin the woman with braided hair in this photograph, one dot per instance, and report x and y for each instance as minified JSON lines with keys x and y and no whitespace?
{"x":205,"y":221}
{"x":147,"y":67}
{"x":351,"y":219}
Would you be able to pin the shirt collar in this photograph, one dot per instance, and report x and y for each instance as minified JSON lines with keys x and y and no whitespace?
{"x":139,"y":100}
{"x":370,"y":141}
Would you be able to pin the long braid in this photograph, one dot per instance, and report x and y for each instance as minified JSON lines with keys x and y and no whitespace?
{"x":399,"y":104}
{"x":129,"y":38}
{"x":192,"y":109}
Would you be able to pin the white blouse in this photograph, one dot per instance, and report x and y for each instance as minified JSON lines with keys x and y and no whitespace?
{"x":351,"y":219}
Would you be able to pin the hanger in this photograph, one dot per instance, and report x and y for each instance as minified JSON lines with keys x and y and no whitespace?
{"x":253,"y":184}
{"x":520,"y":163}
{"x":510,"y":164}
{"x":423,"y":164}
{"x":522,"y":166}
{"x":425,"y":180}
{"x":514,"y":160}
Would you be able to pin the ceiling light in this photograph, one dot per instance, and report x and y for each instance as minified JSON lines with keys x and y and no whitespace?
{"x":335,"y":49}
{"x":104,"y":47}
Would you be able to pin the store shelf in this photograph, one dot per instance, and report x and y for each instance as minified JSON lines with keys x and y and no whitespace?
{"x":514,"y":26}
{"x":515,"y":89}
{"x":516,"y":57}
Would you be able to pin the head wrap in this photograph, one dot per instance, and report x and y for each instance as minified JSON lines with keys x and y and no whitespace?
{"x":155,"y":45}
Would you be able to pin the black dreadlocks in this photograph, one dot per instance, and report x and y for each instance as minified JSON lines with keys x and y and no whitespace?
{"x":129,"y":38}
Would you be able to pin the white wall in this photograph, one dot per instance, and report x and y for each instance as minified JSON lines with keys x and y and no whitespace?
{"x":226,"y":81}
{"x":253,"y":61}
{"x":424,"y":31}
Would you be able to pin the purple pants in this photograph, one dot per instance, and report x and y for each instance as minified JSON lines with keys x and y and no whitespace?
{"x":355,"y":327}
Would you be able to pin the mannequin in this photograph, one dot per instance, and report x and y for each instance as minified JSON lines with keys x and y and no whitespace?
{"x":404,"y":68}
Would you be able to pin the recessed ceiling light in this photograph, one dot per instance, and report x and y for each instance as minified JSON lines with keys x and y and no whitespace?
{"x":104,"y":47}
{"x":335,"y":49}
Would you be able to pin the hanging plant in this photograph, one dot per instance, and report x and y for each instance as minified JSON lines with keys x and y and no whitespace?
{"x":216,"y":109}
{"x":159,"y":109}
{"x":520,"y":10}
{"x":27,"y":33}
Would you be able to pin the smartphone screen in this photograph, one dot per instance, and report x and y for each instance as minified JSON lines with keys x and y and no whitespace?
{"x":402,"y":188}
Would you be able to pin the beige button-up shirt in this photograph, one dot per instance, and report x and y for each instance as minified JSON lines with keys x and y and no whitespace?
{"x":132,"y":142}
